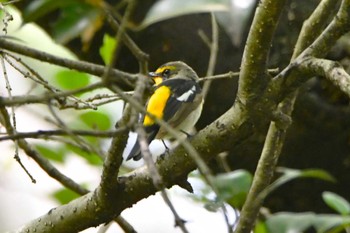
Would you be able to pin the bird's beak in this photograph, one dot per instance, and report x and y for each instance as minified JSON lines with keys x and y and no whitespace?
{"x":156,"y":77}
{"x":153,"y":74}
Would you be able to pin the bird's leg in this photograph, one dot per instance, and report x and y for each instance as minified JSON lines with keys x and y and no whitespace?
{"x":166,"y":147}
{"x":166,"y":150}
{"x":189,"y":136}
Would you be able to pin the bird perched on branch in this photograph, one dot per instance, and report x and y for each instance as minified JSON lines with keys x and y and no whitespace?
{"x":177,"y":99}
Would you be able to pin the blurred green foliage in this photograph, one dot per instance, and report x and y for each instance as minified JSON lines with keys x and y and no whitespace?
{"x":63,"y":196}
{"x":74,"y":19}
{"x":107,"y":48}
{"x":234,"y":186}
{"x":96,"y":120}
{"x":71,"y":80}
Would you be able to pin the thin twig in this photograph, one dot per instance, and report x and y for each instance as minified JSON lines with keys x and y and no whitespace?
{"x":125,"y":225}
{"x":214,"y":47}
{"x":46,"y":133}
{"x":114,"y":157}
{"x":80,"y":141}
{"x":7,"y":120}
{"x":34,"y":99}
{"x":156,"y":178}
{"x":132,"y":46}
{"x":7,"y":18}
{"x":41,"y":161}
{"x":119,"y":34}
{"x":32,"y":74}
{"x":231,"y":74}
{"x":82,"y":66}
{"x":52,"y":171}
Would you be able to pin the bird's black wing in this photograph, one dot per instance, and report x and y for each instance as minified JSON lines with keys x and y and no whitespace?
{"x":183,"y":91}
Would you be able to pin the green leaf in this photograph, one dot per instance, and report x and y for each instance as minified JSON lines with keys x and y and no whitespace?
{"x":299,"y":222}
{"x":96,"y":120}
{"x":260,"y":227}
{"x":318,"y":174}
{"x":291,"y":174}
{"x":50,"y":153}
{"x":289,"y":222}
{"x":74,"y":19}
{"x":39,"y":8}
{"x":233,"y":187}
{"x":70,"y":79}
{"x":236,"y":20}
{"x":212,"y":206}
{"x":107,"y":48}
{"x":167,"y":9}
{"x":63,"y":196}
{"x":91,"y":158}
{"x":325,"y":222}
{"x":336,"y":202}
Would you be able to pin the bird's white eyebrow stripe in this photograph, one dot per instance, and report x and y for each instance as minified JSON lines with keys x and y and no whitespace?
{"x":187,"y":94}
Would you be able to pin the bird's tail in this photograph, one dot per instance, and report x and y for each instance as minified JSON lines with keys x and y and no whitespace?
{"x":135,"y":152}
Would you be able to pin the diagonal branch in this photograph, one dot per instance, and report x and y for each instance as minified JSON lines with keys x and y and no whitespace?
{"x":82,"y":66}
{"x":133,"y":47}
{"x":114,"y":157}
{"x":333,"y":71}
{"x":318,"y":43}
{"x":89,"y":210}
{"x":156,"y":178}
{"x":337,"y":28}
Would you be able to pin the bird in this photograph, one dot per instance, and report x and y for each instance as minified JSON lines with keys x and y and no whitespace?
{"x":177,"y":99}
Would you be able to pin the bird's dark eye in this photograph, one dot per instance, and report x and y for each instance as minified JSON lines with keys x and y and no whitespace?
{"x":166,"y":73}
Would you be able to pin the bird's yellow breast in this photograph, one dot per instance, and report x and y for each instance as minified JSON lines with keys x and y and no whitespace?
{"x":156,"y":104}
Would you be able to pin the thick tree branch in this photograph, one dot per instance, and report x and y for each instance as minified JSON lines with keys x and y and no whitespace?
{"x":89,"y":211}
{"x":276,"y":134}
{"x":253,"y":78}
{"x":337,"y":28}
{"x":321,"y":42}
{"x":333,"y":71}
{"x":235,"y":126}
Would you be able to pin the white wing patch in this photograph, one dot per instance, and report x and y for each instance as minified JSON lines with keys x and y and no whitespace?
{"x":184,"y":97}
